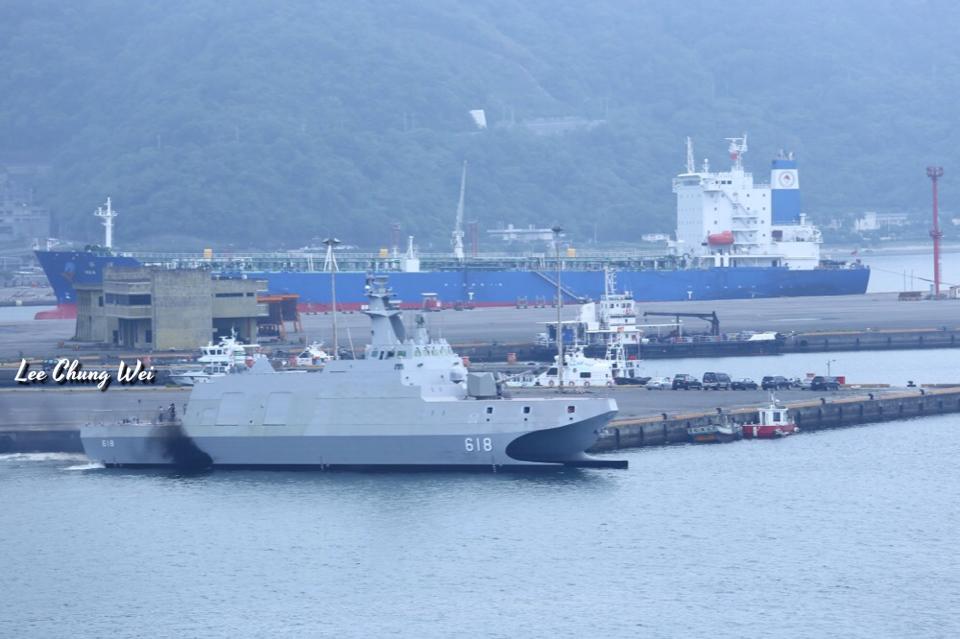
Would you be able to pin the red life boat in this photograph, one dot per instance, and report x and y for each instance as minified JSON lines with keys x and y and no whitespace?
{"x":720,"y":239}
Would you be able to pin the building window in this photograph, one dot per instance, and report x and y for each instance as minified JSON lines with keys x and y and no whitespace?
{"x":148,"y":336}
{"x":100,"y":300}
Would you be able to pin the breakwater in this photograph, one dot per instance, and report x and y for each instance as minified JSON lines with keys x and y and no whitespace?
{"x":808,"y":415}
{"x":884,"y":340}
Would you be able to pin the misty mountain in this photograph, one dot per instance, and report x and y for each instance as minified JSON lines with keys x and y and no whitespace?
{"x":270,"y":123}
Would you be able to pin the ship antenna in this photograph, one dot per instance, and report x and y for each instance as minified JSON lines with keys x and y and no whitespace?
{"x":691,"y":166}
{"x":738,"y":146}
{"x":331,"y":263}
{"x":458,"y":228}
{"x":107,"y":215}
{"x":556,"y":244}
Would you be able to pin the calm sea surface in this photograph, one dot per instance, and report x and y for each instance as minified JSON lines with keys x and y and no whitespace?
{"x":844,"y":533}
{"x":909,"y":271}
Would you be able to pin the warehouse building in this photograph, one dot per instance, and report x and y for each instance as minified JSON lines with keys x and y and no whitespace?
{"x":167,"y":309}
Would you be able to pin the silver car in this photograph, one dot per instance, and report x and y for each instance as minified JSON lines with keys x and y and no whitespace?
{"x":659,"y":383}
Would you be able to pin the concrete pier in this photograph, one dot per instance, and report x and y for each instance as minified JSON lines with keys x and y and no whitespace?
{"x":809,"y":415}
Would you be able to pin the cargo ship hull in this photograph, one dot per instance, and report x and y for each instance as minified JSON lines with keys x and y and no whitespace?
{"x":484,"y":287}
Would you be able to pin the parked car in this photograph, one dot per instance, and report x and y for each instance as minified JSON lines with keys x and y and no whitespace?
{"x":682,"y":381}
{"x":716,"y":381}
{"x":659,"y":383}
{"x":744,"y":384}
{"x":822,"y":382}
{"x":775,"y":382}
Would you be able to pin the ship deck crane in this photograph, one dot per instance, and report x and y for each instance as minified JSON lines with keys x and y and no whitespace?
{"x":709,"y":317}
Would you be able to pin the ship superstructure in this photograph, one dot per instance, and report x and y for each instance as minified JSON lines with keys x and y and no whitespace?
{"x":726,"y":219}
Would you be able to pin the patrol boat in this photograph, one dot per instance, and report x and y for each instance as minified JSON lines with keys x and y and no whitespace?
{"x":409,"y":403}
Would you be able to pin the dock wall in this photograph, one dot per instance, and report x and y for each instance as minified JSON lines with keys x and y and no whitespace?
{"x":796,"y":343}
{"x":809,"y":416}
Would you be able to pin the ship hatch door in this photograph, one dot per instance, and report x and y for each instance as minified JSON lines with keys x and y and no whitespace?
{"x":278,"y":406}
{"x":231,"y":409}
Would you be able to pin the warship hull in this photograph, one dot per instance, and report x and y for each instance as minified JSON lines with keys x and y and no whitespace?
{"x":462,"y":446}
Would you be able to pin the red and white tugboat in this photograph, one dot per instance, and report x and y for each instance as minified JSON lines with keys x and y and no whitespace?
{"x":774,"y":422}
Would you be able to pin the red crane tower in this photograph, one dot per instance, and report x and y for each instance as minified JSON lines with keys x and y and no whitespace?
{"x":935,"y":173}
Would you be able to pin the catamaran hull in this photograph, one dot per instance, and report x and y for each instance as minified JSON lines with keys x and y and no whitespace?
{"x":136,"y":445}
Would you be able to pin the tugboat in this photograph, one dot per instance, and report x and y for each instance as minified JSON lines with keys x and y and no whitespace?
{"x":716,"y":432}
{"x":774,"y":422}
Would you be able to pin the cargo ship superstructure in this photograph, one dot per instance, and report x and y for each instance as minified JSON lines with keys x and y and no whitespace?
{"x":734,"y":239}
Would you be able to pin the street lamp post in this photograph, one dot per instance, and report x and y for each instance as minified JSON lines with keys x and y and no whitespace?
{"x":331,"y":242}
{"x":830,"y":361}
{"x":556,"y":244}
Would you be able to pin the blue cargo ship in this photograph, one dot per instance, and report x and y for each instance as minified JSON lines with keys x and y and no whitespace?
{"x":735,"y":239}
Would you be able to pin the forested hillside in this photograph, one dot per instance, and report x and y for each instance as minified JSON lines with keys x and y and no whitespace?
{"x":270,"y":122}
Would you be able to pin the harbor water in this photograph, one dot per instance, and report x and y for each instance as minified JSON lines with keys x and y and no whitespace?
{"x":909,"y":271}
{"x":842,"y":533}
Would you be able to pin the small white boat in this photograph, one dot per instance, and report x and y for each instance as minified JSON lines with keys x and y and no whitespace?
{"x":226,"y":356}
{"x":313,"y":355}
{"x":579,"y":371}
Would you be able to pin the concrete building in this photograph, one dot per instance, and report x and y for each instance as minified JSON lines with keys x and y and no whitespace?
{"x":164,"y":309}
{"x":21,"y":222}
{"x":873,"y":221}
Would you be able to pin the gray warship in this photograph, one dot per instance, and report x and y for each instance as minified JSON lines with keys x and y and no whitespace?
{"x":408,"y":403}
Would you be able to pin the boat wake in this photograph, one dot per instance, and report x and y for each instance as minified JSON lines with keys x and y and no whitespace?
{"x":87,"y":466}
{"x":42,"y":457}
